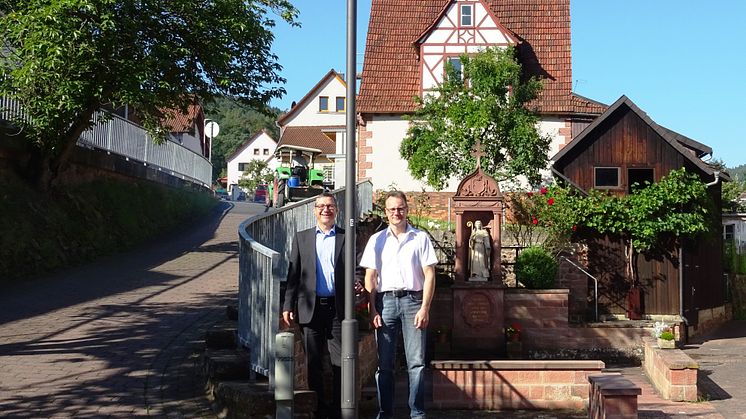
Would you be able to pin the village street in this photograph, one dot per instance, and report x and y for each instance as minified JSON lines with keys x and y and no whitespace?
{"x":117,"y":338}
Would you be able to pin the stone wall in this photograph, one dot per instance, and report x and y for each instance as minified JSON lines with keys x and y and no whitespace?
{"x":672,"y":372}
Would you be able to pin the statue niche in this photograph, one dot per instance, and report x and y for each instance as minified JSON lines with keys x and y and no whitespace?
{"x":480,"y":252}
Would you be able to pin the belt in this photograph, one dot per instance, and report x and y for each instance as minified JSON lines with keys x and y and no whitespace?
{"x":325,"y":301}
{"x":401,"y":293}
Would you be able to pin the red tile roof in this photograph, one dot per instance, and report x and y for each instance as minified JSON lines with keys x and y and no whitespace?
{"x":310,"y":137}
{"x":176,"y":121}
{"x":391,"y":71}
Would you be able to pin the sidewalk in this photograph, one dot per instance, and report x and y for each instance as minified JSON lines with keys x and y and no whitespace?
{"x":117,"y":338}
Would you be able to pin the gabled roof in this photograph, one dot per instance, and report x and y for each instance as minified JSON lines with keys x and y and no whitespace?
{"x":584,"y":105}
{"x":511,"y":36}
{"x":391,"y":71}
{"x":689,"y":148}
{"x":309,"y":137}
{"x":282,"y":120}
{"x":247,"y":143}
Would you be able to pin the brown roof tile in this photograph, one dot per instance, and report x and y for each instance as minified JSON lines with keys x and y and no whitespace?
{"x":391,"y":71}
{"x":311,"y":137}
{"x":176,"y":121}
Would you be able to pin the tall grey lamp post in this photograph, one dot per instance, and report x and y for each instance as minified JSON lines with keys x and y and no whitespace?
{"x":349,"y":324}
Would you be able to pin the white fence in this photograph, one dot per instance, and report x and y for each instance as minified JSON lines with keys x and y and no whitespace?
{"x":264,"y":250}
{"x":119,"y":136}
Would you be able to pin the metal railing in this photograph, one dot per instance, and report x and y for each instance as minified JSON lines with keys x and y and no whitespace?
{"x":264,"y":249}
{"x":120,"y":136}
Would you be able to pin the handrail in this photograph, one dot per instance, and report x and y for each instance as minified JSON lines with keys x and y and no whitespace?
{"x":595,"y":283}
{"x":119,"y":136}
{"x":264,"y":249}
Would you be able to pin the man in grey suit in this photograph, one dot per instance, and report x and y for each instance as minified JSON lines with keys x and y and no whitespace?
{"x":315,"y":278}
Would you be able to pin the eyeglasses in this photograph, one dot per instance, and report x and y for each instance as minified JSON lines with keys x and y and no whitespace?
{"x":327,"y":206}
{"x":393,"y":210}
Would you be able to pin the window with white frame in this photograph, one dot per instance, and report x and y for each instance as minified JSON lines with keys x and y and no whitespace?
{"x":467,"y":15}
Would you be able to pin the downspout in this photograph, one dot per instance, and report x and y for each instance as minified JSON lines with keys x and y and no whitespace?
{"x":715,"y":181}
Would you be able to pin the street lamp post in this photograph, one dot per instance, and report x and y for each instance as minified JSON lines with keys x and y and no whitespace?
{"x":349,"y":324}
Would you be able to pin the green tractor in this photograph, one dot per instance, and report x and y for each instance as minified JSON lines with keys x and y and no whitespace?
{"x":296,"y":180}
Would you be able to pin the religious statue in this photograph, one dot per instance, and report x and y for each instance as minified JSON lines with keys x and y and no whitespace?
{"x":480,"y":252}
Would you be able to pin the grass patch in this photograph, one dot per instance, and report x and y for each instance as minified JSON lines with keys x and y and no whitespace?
{"x":40,"y":232}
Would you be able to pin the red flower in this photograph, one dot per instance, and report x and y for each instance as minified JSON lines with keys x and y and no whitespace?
{"x":535,"y":221}
{"x":574,"y":228}
{"x":543,"y":190}
{"x":550,"y":201}
{"x":530,"y":194}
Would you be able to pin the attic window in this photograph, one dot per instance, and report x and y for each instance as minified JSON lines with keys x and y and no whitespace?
{"x":340,"y":103}
{"x":467,"y":15}
{"x":323,"y":104}
{"x":606,"y":177}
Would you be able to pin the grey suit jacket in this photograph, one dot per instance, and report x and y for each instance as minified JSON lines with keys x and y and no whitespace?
{"x":301,"y":281}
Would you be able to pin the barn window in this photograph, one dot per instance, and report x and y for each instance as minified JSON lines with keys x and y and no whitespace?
{"x":639,"y":176}
{"x":606,"y":177}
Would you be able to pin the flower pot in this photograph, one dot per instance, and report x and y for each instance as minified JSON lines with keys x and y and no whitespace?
{"x":666,"y":344}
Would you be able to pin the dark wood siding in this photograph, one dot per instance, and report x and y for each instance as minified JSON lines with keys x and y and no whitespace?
{"x":625,"y":141}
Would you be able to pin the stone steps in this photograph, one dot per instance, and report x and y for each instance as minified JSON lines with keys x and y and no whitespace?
{"x":228,"y":386}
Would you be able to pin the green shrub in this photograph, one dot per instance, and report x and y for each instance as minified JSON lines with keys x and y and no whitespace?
{"x":535,"y":268}
{"x":667,"y":335}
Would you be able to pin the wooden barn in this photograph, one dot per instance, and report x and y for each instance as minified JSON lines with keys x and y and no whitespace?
{"x":624,"y":146}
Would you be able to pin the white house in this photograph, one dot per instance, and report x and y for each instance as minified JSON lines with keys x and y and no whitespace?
{"x":317,"y":121}
{"x":408,"y":44}
{"x":260,"y":146}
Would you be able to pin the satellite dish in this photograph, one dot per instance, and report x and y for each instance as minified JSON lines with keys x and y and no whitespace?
{"x":212,"y":129}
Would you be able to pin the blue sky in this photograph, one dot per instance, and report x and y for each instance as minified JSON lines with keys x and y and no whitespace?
{"x":683,"y":62}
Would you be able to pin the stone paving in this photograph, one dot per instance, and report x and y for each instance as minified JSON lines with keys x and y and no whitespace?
{"x":113,"y":339}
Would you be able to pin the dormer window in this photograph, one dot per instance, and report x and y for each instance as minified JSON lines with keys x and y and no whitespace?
{"x":467,"y":15}
{"x":323,"y":104}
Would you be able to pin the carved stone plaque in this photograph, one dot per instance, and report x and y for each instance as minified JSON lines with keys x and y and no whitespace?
{"x":477,"y":309}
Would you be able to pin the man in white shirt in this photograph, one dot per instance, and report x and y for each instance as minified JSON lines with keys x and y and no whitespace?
{"x":400,"y":278}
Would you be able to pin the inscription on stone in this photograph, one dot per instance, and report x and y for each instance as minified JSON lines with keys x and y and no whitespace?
{"x":477,"y":309}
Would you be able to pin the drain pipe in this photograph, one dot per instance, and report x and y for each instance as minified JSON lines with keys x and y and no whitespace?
{"x":716,"y":173}
{"x":681,"y":293}
{"x":595,"y":283}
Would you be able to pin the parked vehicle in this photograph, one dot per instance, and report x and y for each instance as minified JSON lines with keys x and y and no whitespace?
{"x":294,"y":181}
{"x":260,"y":193}
{"x":222,"y":194}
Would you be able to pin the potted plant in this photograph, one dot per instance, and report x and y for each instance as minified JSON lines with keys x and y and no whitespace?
{"x":664,"y":335}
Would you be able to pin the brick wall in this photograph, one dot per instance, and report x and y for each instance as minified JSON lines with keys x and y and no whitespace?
{"x":507,"y":385}
{"x":672,"y":372}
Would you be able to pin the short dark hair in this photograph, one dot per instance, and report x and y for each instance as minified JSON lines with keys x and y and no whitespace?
{"x":327,"y":194}
{"x":396,"y":194}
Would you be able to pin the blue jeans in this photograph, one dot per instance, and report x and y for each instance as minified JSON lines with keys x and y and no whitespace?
{"x":398,"y":313}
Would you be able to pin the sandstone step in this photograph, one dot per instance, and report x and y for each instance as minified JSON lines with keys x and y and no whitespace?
{"x":243,"y":399}
{"x":221,"y":336}
{"x":226,"y":364}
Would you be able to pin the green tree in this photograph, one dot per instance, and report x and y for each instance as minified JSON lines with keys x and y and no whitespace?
{"x":237,"y":124}
{"x":63,"y":60}
{"x":257,"y":172}
{"x":489,"y":102}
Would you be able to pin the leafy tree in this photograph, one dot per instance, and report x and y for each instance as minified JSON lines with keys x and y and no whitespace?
{"x":63,"y":60}
{"x":257,"y":172}
{"x":491,"y":104}
{"x":237,"y":124}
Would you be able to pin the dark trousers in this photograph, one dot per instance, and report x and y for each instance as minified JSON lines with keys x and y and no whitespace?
{"x":324,"y":327}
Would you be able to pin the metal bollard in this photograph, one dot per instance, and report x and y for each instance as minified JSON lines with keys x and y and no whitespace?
{"x":284,"y":374}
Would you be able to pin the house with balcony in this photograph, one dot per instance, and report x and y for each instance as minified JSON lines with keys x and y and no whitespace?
{"x":317,"y":122}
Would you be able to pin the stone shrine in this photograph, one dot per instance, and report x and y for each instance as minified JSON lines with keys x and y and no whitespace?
{"x":478,"y":291}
